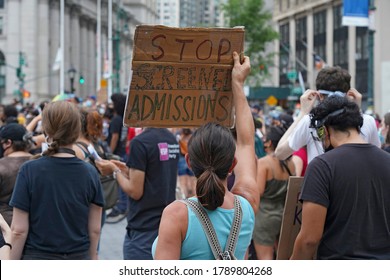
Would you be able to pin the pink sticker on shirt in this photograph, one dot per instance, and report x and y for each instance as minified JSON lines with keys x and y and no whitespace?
{"x":164,"y":155}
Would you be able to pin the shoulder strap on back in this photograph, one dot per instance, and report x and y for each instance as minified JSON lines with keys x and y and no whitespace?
{"x":84,"y":148}
{"x":207,"y":226}
{"x":236,"y":227}
{"x":283,"y":162}
{"x":209,"y":230}
{"x":82,"y":144}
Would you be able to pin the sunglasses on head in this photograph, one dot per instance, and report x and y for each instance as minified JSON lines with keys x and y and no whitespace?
{"x":331,"y":93}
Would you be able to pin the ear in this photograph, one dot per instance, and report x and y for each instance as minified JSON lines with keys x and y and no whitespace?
{"x":233,"y":164}
{"x":7,"y":144}
{"x":6,"y":147}
{"x":187,"y":157}
{"x":326,"y":131}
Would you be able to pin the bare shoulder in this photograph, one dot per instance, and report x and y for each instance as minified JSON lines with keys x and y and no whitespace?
{"x":175,"y":219}
{"x":262,"y":162}
{"x":176,"y":209}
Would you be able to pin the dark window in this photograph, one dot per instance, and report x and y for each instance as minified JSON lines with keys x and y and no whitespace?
{"x":284,"y":49}
{"x":319,"y":21}
{"x":340,"y":39}
{"x":1,"y":4}
{"x":301,"y":47}
{"x":361,"y":59}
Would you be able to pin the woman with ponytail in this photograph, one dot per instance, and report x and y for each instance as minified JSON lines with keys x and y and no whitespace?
{"x":57,"y":200}
{"x":212,"y":156}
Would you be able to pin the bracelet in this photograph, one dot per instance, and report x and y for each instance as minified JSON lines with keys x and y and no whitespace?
{"x":116,"y":172}
{"x":7,"y":244}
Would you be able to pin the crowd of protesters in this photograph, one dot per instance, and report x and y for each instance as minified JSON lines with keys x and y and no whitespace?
{"x":52,"y":200}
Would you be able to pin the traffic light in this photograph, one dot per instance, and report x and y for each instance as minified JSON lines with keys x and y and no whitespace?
{"x":81,"y":80}
{"x":26,"y":94}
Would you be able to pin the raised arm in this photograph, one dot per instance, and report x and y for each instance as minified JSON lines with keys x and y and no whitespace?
{"x":245,"y":170}
{"x":308,"y":100}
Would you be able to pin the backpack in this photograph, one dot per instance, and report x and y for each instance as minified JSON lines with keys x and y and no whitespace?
{"x":230,"y":248}
{"x":109,"y":183}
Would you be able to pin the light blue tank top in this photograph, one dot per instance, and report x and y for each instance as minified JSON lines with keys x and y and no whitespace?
{"x":195,"y":245}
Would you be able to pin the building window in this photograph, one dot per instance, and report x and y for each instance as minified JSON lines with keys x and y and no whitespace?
{"x":1,"y":4}
{"x":319,"y":21}
{"x":361,"y":78}
{"x":1,"y":25}
{"x":340,"y":39}
{"x":284,"y":50}
{"x":301,"y":47}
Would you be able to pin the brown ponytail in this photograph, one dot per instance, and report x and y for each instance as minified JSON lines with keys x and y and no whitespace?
{"x":211,"y":151}
{"x":210,"y":190}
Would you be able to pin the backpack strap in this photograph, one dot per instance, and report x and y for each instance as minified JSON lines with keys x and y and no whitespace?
{"x":236,"y":227}
{"x":209,"y":230}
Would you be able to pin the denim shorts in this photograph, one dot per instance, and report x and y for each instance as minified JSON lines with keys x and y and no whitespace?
{"x":182,"y":167}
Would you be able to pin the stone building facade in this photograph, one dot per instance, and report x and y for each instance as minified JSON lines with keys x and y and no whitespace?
{"x":30,"y":38}
{"x":314,"y":26}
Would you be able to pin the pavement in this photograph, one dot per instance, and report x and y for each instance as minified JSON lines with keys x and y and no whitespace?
{"x":111,"y":241}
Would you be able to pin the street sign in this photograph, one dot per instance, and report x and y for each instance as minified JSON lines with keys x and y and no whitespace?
{"x":103,"y":83}
{"x":292,"y":75}
{"x":272,"y":100}
{"x":296,"y":91}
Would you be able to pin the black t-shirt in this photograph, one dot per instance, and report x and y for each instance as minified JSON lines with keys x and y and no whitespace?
{"x":57,"y":194}
{"x":156,"y":152}
{"x":353,"y":183}
{"x":116,"y":126}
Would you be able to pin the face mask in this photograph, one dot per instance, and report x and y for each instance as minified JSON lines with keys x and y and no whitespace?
{"x":88,"y":103}
{"x":330,"y":147}
{"x":101,"y":111}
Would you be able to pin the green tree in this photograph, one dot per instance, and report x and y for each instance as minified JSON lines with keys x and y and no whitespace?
{"x":258,"y":32}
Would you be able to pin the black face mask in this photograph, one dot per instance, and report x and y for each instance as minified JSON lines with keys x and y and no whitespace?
{"x":330,"y":147}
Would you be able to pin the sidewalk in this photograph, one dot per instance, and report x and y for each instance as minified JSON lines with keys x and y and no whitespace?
{"x":111,"y":241}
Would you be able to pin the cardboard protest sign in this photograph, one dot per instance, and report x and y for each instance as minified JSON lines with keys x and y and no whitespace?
{"x":182,"y":76}
{"x":291,"y":221}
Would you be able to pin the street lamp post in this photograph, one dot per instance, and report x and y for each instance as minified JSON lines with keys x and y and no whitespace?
{"x":71,"y":73}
